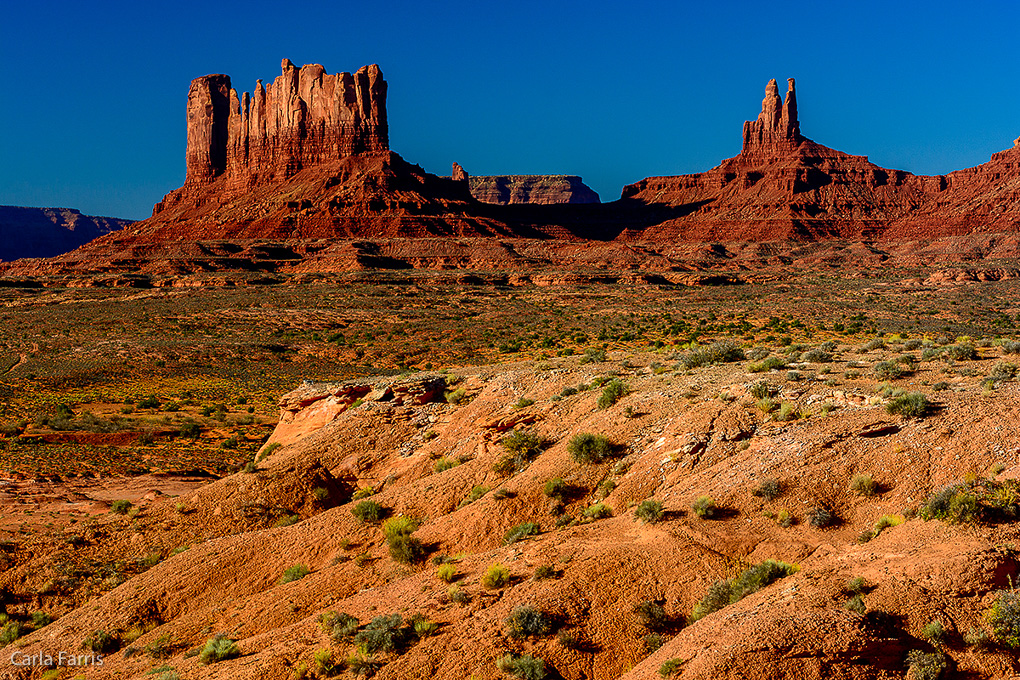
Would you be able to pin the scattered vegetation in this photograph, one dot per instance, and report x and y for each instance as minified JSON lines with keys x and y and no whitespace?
{"x":496,"y":576}
{"x":752,"y":579}
{"x":294,"y":573}
{"x":218,"y":648}
{"x":705,"y":507}
{"x":520,"y":532}
{"x":525,"y":621}
{"x":526,"y":667}
{"x":589,"y":448}
{"x":649,"y":511}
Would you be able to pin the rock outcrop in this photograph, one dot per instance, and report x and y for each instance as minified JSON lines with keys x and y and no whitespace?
{"x":46,"y":232}
{"x":777,"y":129}
{"x":536,"y":189}
{"x":305,"y":118}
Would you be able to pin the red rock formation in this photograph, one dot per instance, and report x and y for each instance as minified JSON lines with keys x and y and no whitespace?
{"x":306,"y":117}
{"x":536,"y":189}
{"x":777,"y":130}
{"x":459,"y":175}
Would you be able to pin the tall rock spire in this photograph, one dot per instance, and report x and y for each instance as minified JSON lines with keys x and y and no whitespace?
{"x":777,"y":129}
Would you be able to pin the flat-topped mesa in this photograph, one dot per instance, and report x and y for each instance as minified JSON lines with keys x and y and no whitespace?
{"x":777,"y":129}
{"x":303,"y":118}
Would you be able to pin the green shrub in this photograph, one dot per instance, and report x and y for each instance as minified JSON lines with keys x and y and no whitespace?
{"x":362,"y":666}
{"x":612,"y":393}
{"x":402,"y":525}
{"x":821,"y":516}
{"x":652,"y":615}
{"x":102,"y":642}
{"x":653,"y":642}
{"x":717,"y":597}
{"x":295,"y":573}
{"x":341,"y":627}
{"x":719,"y":352}
{"x":121,"y":507}
{"x":817,"y":356}
{"x":556,"y":488}
{"x":287,"y":520}
{"x":525,"y":667}
{"x":457,"y":396}
{"x":593,"y":355}
{"x":864,"y":485}
{"x":856,"y":604}
{"x":424,"y":628}
{"x":447,"y":572}
{"x":871,"y":345}
{"x":704,"y":507}
{"x":598,"y":511}
{"x":670,"y":667}
{"x":1004,"y":618}
{"x":477,"y":492}
{"x":406,"y":549}
{"x":955,"y":504}
{"x":767,"y":404}
{"x":523,"y":402}
{"x":761,"y":389}
{"x":911,"y":405}
{"x":976,"y":638}
{"x":543,"y":571}
{"x":444,"y":464}
{"x":521,"y":531}
{"x":649,"y":511}
{"x":589,"y":448}
{"x":925,"y":666}
{"x":963,"y":351}
{"x":496,"y":576}
{"x":363,"y":492}
{"x":934,"y":632}
{"x":525,"y":621}
{"x":521,"y":447}
{"x":772,"y":363}
{"x":326,"y":665}
{"x":368,"y":512}
{"x":788,"y":411}
{"x":890,"y":370}
{"x":266,"y":452}
{"x":605,"y":487}
{"x":756,"y":577}
{"x":457,"y":595}
{"x":40,"y":619}
{"x":769,"y":489}
{"x":1002,"y":371}
{"x":385,"y":633}
{"x":218,"y":648}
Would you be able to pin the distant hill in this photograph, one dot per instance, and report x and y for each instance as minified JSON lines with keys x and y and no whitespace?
{"x":45,"y":232}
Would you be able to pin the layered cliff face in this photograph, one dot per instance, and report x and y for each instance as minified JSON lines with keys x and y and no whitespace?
{"x":305,"y":118}
{"x":46,"y":232}
{"x":535,"y":189}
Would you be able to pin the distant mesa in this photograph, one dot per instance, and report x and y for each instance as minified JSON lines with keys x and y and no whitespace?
{"x":531,"y":189}
{"x":46,"y":232}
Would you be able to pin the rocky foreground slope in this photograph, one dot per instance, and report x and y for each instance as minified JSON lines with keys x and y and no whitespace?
{"x":510,"y":551}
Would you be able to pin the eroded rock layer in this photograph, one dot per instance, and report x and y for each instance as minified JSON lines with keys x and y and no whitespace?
{"x":537,"y":189}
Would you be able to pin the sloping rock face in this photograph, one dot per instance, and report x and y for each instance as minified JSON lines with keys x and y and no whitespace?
{"x":305,"y":118}
{"x":537,"y":189}
{"x":45,"y":232}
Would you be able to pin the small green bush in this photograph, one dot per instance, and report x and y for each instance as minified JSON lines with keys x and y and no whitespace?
{"x":544,"y":571}
{"x":890,"y":370}
{"x":521,"y":531}
{"x":457,"y":396}
{"x":326,"y":665}
{"x":821,"y":516}
{"x":385,"y":633}
{"x":477,"y":492}
{"x":294,"y":573}
{"x":963,"y":351}
{"x":496,"y":576}
{"x":856,"y":604}
{"x":266,"y":452}
{"x":614,"y":390}
{"x":556,"y":488}
{"x":340,"y":627}
{"x":121,"y":507}
{"x":955,"y":504}
{"x":926,"y":666}
{"x":402,"y":525}
{"x":934,"y":632}
{"x":772,"y":363}
{"x":1002,"y":371}
{"x":589,"y":448}
{"x":756,"y":577}
{"x":864,"y":485}
{"x":525,"y":667}
{"x":523,"y":402}
{"x":705,"y":507}
{"x":652,"y":615}
{"x":1004,"y":618}
{"x":717,"y":597}
{"x":521,"y":447}
{"x":218,"y":648}
{"x":761,"y":389}
{"x":670,"y":667}
{"x":769,"y":489}
{"x":102,"y":642}
{"x":598,"y":511}
{"x":447,"y":572}
{"x":444,"y":464}
{"x":368,"y":512}
{"x":525,"y":621}
{"x":649,"y":511}
{"x":910,"y":405}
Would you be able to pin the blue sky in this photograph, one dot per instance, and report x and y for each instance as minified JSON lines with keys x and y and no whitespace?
{"x":92,"y":115}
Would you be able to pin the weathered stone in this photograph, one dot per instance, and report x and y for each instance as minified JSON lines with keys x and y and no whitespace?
{"x":540,"y":189}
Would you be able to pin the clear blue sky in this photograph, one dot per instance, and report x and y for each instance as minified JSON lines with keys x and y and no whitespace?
{"x":92,"y":115}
